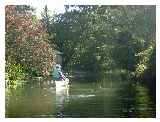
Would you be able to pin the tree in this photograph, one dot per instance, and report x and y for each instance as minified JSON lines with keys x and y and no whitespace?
{"x":26,"y":41}
{"x":46,"y":19}
{"x":103,"y":38}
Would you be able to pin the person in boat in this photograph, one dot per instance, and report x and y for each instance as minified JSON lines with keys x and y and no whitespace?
{"x":57,"y":73}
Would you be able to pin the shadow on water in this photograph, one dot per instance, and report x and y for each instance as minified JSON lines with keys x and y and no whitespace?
{"x":108,"y":98}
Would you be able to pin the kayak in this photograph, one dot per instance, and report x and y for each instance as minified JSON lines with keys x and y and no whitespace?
{"x":62,"y":83}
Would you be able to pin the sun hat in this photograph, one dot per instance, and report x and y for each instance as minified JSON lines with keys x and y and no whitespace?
{"x":58,"y":66}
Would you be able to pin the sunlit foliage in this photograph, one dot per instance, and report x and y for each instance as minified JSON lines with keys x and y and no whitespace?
{"x":26,"y":40}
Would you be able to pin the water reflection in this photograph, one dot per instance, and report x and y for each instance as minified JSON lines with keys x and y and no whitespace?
{"x":62,"y":96}
{"x":43,"y":99}
{"x":144,"y":106}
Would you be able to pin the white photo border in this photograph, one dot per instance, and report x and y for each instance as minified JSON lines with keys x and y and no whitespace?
{"x":77,"y":2}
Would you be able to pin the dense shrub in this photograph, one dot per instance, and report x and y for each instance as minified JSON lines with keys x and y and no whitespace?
{"x":27,"y":41}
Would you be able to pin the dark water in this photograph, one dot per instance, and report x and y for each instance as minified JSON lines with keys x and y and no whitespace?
{"x":41,"y":99}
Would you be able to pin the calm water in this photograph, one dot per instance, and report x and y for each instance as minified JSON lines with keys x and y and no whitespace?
{"x":41,"y":99}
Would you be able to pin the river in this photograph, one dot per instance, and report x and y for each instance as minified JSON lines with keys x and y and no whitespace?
{"x":80,"y":100}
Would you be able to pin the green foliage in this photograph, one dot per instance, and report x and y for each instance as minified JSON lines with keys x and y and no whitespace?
{"x":105,"y":38}
{"x":46,"y":19}
{"x":147,"y":62}
{"x":92,"y":38}
{"x":14,"y":73}
{"x":114,"y":34}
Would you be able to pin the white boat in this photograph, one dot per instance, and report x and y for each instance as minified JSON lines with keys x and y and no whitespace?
{"x":62,"y":83}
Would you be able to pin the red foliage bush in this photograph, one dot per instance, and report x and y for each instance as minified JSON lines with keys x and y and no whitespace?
{"x":27,"y":41}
